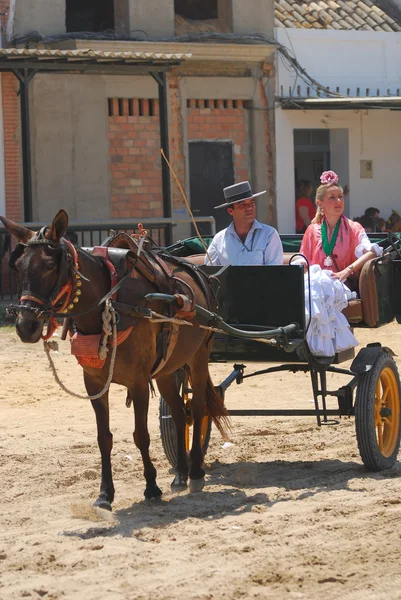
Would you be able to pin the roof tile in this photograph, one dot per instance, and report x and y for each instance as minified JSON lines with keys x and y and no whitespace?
{"x":335,"y":14}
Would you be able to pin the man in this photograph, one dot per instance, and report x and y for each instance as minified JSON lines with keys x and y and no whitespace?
{"x":369,"y":220}
{"x":245,"y":241}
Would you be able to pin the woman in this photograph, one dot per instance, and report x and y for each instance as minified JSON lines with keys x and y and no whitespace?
{"x":336,"y":248}
{"x":304,"y":208}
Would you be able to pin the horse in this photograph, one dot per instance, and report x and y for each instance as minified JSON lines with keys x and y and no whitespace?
{"x":56,"y":276}
{"x":393,"y":223}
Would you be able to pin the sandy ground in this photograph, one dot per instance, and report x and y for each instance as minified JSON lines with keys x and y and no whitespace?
{"x":288,"y":511}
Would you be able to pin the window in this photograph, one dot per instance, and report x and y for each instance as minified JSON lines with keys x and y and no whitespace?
{"x":196,"y":9}
{"x":203,"y":16}
{"x":89,"y":15}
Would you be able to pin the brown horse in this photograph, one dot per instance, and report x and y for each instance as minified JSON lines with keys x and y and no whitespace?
{"x":53,"y":272}
{"x":393,"y":223}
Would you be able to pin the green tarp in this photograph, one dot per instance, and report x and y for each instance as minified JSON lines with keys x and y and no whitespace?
{"x":290,"y":244}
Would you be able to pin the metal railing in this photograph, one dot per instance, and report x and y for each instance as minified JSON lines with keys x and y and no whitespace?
{"x":87,"y":234}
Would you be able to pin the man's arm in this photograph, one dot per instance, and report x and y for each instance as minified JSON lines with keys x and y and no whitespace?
{"x":273,"y":254}
{"x":214,"y":255}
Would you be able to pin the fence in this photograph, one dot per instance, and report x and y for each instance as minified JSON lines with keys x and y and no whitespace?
{"x":89,"y":234}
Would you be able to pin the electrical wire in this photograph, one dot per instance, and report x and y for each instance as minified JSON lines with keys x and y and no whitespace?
{"x":285,"y":53}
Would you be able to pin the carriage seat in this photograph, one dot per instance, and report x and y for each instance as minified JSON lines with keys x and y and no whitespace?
{"x":362,"y":310}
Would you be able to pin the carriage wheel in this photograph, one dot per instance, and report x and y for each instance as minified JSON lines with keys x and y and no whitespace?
{"x":377,"y":414}
{"x":167,"y":426}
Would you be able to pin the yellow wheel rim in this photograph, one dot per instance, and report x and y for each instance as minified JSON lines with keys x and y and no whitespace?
{"x":189,"y":427}
{"x":387,"y":412}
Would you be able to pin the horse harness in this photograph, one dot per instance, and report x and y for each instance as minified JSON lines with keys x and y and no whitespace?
{"x":127,"y":259}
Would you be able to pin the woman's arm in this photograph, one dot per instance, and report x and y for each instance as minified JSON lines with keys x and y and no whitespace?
{"x":355,"y":267}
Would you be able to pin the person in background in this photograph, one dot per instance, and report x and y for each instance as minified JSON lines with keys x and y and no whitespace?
{"x":369,"y":219}
{"x":245,"y":241}
{"x":305,"y":210}
{"x":381,"y":224}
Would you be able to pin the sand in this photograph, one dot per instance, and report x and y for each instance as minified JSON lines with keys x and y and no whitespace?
{"x":288,"y":510}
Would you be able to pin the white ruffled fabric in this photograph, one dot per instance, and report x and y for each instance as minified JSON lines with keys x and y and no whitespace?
{"x":365,"y":245}
{"x":329,"y":330}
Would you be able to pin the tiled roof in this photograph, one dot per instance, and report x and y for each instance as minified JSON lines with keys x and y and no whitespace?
{"x":90,"y":55}
{"x":363,"y":15}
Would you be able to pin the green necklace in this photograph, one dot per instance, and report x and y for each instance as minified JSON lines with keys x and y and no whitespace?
{"x":329,"y":247}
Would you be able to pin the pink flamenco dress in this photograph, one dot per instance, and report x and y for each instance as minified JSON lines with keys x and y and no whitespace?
{"x":329,"y":331}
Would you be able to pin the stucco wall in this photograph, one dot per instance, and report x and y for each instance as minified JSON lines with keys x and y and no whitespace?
{"x":345,"y":59}
{"x":373,"y":135}
{"x":155,"y":17}
{"x":70,"y":141}
{"x":45,"y":16}
{"x":253,"y":16}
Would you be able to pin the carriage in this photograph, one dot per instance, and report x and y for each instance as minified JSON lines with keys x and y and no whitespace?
{"x":155,"y":295}
{"x":262,"y":318}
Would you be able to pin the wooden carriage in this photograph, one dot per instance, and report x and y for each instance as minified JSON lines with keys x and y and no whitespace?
{"x":272,"y":298}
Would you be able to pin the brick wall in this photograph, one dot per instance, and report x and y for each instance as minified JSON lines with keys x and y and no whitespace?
{"x":12,"y":146}
{"x":135,"y":165}
{"x":222,"y":120}
{"x":11,"y":124}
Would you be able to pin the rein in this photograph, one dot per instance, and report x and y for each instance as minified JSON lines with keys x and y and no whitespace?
{"x":69,"y":293}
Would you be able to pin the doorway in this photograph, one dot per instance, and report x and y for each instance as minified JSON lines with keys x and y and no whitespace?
{"x":318,"y":150}
{"x":311,"y":154}
{"x":211,"y":168}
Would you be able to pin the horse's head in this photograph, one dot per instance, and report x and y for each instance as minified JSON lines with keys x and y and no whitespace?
{"x":394,"y":222}
{"x":45,"y":263}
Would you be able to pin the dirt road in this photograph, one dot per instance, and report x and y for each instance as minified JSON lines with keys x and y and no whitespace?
{"x":288,"y":511}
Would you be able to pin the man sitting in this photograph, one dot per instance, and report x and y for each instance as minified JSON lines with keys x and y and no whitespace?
{"x":245,"y":241}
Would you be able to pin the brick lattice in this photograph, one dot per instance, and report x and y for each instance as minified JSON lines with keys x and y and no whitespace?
{"x":135,"y":162}
{"x":222,"y":120}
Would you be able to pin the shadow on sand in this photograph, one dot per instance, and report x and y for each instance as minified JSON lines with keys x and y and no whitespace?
{"x":281,"y":481}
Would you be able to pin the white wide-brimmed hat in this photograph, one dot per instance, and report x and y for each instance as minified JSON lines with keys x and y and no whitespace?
{"x":237,"y":193}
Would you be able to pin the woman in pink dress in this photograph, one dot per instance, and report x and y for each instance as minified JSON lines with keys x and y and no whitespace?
{"x":335,"y":248}
{"x":332,"y":241}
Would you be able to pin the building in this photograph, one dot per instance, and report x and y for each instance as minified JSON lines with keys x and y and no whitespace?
{"x":95,"y":136}
{"x":345,"y":116}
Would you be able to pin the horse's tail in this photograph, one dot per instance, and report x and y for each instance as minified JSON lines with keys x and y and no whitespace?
{"x":216,"y":410}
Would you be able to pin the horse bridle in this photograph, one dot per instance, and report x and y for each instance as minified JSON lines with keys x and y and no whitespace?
{"x":65,"y":296}
{"x":67,"y":290}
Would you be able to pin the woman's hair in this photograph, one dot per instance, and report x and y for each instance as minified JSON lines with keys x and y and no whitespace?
{"x":303,"y":188}
{"x":320,"y":193}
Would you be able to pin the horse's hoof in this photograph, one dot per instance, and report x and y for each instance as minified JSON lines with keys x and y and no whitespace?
{"x":152,"y":493}
{"x":178,"y":485}
{"x":102,"y":503}
{"x":154,"y":501}
{"x":196,"y":485}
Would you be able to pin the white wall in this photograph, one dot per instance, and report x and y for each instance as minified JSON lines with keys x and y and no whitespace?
{"x":345,"y":59}
{"x":373,"y":135}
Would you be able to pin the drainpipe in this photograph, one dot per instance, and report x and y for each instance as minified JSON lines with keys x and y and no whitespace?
{"x":268,"y":118}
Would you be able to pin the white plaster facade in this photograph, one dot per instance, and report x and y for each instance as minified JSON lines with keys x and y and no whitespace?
{"x":363,"y":63}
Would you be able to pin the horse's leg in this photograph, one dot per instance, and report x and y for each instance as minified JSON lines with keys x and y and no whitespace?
{"x":140,"y":395}
{"x":199,"y":376}
{"x":168,"y":388}
{"x":105,"y":442}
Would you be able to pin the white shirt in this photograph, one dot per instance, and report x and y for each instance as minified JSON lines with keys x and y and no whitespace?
{"x":261,"y":247}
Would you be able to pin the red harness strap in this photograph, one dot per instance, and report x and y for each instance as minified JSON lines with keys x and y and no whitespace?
{"x":103,"y":252}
